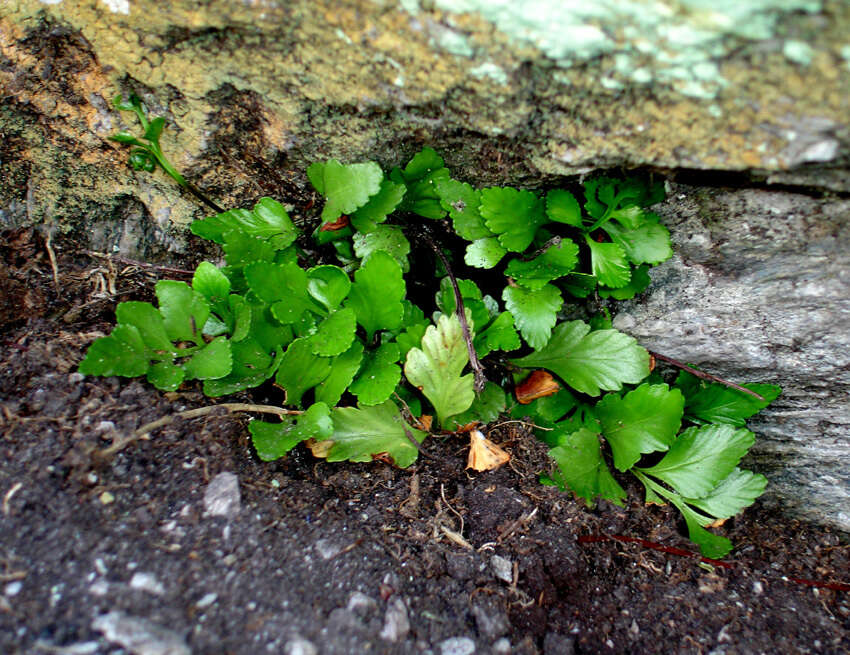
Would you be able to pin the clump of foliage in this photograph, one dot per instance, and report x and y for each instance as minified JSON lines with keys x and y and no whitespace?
{"x":365,"y":328}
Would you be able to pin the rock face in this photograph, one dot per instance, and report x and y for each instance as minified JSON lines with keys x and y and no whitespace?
{"x":508,"y":92}
{"x":759,"y":291}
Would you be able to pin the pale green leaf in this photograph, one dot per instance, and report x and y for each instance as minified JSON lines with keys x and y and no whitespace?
{"x":737,"y":491}
{"x":643,"y":421}
{"x":701,"y":458}
{"x":534,"y":312}
{"x":582,"y":469}
{"x":604,"y":359}
{"x":335,"y":334}
{"x":377,"y":293}
{"x":638,"y":283}
{"x":212,"y":361}
{"x":562,"y":207}
{"x":608,"y":263}
{"x":328,"y":284}
{"x":211,"y":283}
{"x":301,"y":370}
{"x":649,"y":243}
{"x":345,"y":187}
{"x":379,"y":375}
{"x":462,"y":203}
{"x":388,"y":238}
{"x":121,"y":353}
{"x":274,"y":440}
{"x":556,"y":261}
{"x":378,"y":207}
{"x":362,"y":433}
{"x":484,"y":253}
{"x":436,"y":368}
{"x":343,"y":369}
{"x":268,"y":222}
{"x":512,"y":215}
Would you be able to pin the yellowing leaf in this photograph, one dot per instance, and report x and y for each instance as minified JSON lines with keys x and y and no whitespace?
{"x":436,"y":368}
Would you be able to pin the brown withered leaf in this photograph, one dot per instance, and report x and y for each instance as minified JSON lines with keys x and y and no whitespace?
{"x":484,"y":455}
{"x":537,"y":385}
{"x":339,"y":224}
{"x":319,"y":449}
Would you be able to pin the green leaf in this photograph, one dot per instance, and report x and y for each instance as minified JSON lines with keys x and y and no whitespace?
{"x":252,"y":366}
{"x":154,"y":129}
{"x":582,"y":469}
{"x":643,"y":421}
{"x":211,"y":283}
{"x":557,"y":260}
{"x":738,"y":491}
{"x":639,"y":282}
{"x":717,"y":403}
{"x":328,"y":284}
{"x":345,"y":188}
{"x":484,"y":253}
{"x":701,"y":458}
{"x":166,"y":376}
{"x":649,"y":243}
{"x":241,"y":249}
{"x":268,"y":222}
{"x":476,"y":310}
{"x":710,"y":545}
{"x":377,"y":293}
{"x":362,"y":433}
{"x":301,"y":370}
{"x":149,"y":322}
{"x":604,"y":359}
{"x":534,"y":312}
{"x":343,"y":369}
{"x":274,"y":440}
{"x":462,"y":203}
{"x":410,"y":338}
{"x":388,"y":238}
{"x":436,"y":368}
{"x":500,"y":334}
{"x":282,"y":285}
{"x":422,"y":197}
{"x":512,"y":215}
{"x":121,"y":353}
{"x":608,"y":263}
{"x":183,"y":310}
{"x":487,"y":407}
{"x":268,"y":331}
{"x":579,"y":285}
{"x":378,"y":207}
{"x":379,"y":375}
{"x":423,"y":163}
{"x":335,"y":334}
{"x":212,"y":361}
{"x":604,"y":195}
{"x":562,"y":207}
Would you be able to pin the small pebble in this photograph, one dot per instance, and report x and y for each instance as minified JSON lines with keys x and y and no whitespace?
{"x":106,"y":498}
{"x":222,"y":497}
{"x":502,"y":647}
{"x":502,"y":568}
{"x":140,"y":636}
{"x":758,"y":587}
{"x":396,"y":624}
{"x":206,"y":600}
{"x":147,"y":582}
{"x":299,"y":646}
{"x":457,"y":646}
{"x":327,"y":549}
{"x":13,"y":588}
{"x":360,"y":603}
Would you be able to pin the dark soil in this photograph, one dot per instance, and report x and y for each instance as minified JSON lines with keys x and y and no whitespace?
{"x":337,"y":558}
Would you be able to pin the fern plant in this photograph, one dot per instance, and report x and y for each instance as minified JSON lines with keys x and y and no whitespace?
{"x":382,"y":332}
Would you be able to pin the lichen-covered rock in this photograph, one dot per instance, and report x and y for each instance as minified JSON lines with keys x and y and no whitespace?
{"x":759,"y":291}
{"x":255,"y":91}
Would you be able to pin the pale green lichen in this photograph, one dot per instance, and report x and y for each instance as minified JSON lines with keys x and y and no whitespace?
{"x":490,"y":70}
{"x":799,"y":52}
{"x":668,"y":41}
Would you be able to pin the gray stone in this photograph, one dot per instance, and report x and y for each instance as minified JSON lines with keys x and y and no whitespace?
{"x":147,"y":582}
{"x":491,"y":619}
{"x":457,"y":646}
{"x":759,"y":291}
{"x":140,"y":636}
{"x":396,"y":624}
{"x":558,"y":644}
{"x":299,"y":646}
{"x":361,"y":604}
{"x":222,"y":497}
{"x":503,"y":568}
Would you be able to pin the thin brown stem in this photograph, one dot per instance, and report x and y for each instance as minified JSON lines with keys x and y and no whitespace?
{"x":477,"y":369}
{"x":706,"y":376}
{"x":133,"y":262}
{"x":190,"y":414}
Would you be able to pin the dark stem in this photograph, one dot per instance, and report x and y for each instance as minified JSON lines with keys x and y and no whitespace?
{"x":477,"y":369}
{"x":705,"y":376}
{"x":195,"y":191}
{"x":133,"y":262}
